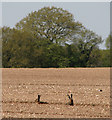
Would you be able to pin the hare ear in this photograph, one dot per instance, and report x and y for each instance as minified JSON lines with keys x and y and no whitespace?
{"x":39,"y":95}
{"x":71,"y":95}
{"x":68,"y":96}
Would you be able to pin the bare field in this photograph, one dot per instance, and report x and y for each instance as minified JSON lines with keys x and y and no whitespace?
{"x":20,"y":88}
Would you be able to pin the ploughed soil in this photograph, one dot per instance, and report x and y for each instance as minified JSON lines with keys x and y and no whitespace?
{"x":90,"y":88}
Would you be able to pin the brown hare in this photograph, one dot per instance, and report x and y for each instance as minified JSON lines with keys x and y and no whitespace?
{"x":71,"y":100}
{"x":40,"y":102}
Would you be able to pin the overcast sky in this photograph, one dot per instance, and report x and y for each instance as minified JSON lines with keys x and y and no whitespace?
{"x":93,"y":15}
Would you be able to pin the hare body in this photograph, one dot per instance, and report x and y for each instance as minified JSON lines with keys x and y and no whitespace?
{"x":40,"y":102}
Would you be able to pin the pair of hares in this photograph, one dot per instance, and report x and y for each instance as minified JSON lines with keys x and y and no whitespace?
{"x":41,"y":102}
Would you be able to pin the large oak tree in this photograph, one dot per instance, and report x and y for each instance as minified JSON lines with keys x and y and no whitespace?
{"x":54,"y":24}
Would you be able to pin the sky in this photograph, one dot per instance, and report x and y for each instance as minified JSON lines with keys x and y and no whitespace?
{"x":93,"y":15}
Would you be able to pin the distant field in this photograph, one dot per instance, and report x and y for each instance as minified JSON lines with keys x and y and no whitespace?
{"x":20,"y":88}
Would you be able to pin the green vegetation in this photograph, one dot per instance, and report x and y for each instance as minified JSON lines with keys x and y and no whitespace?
{"x":52,"y":38}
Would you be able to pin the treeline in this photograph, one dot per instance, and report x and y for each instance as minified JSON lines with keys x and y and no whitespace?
{"x":52,"y":38}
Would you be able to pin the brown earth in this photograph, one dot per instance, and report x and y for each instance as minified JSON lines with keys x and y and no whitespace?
{"x":20,"y":88}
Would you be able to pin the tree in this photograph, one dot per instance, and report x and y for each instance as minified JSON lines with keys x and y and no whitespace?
{"x":54,"y":24}
{"x":73,"y":54}
{"x":108,"y":42}
{"x":105,"y":58}
{"x":17,"y":48}
{"x":95,"y":59}
{"x":86,"y":41}
{"x":7,"y":45}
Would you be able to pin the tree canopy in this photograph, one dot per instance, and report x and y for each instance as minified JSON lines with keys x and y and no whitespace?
{"x":54,"y":24}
